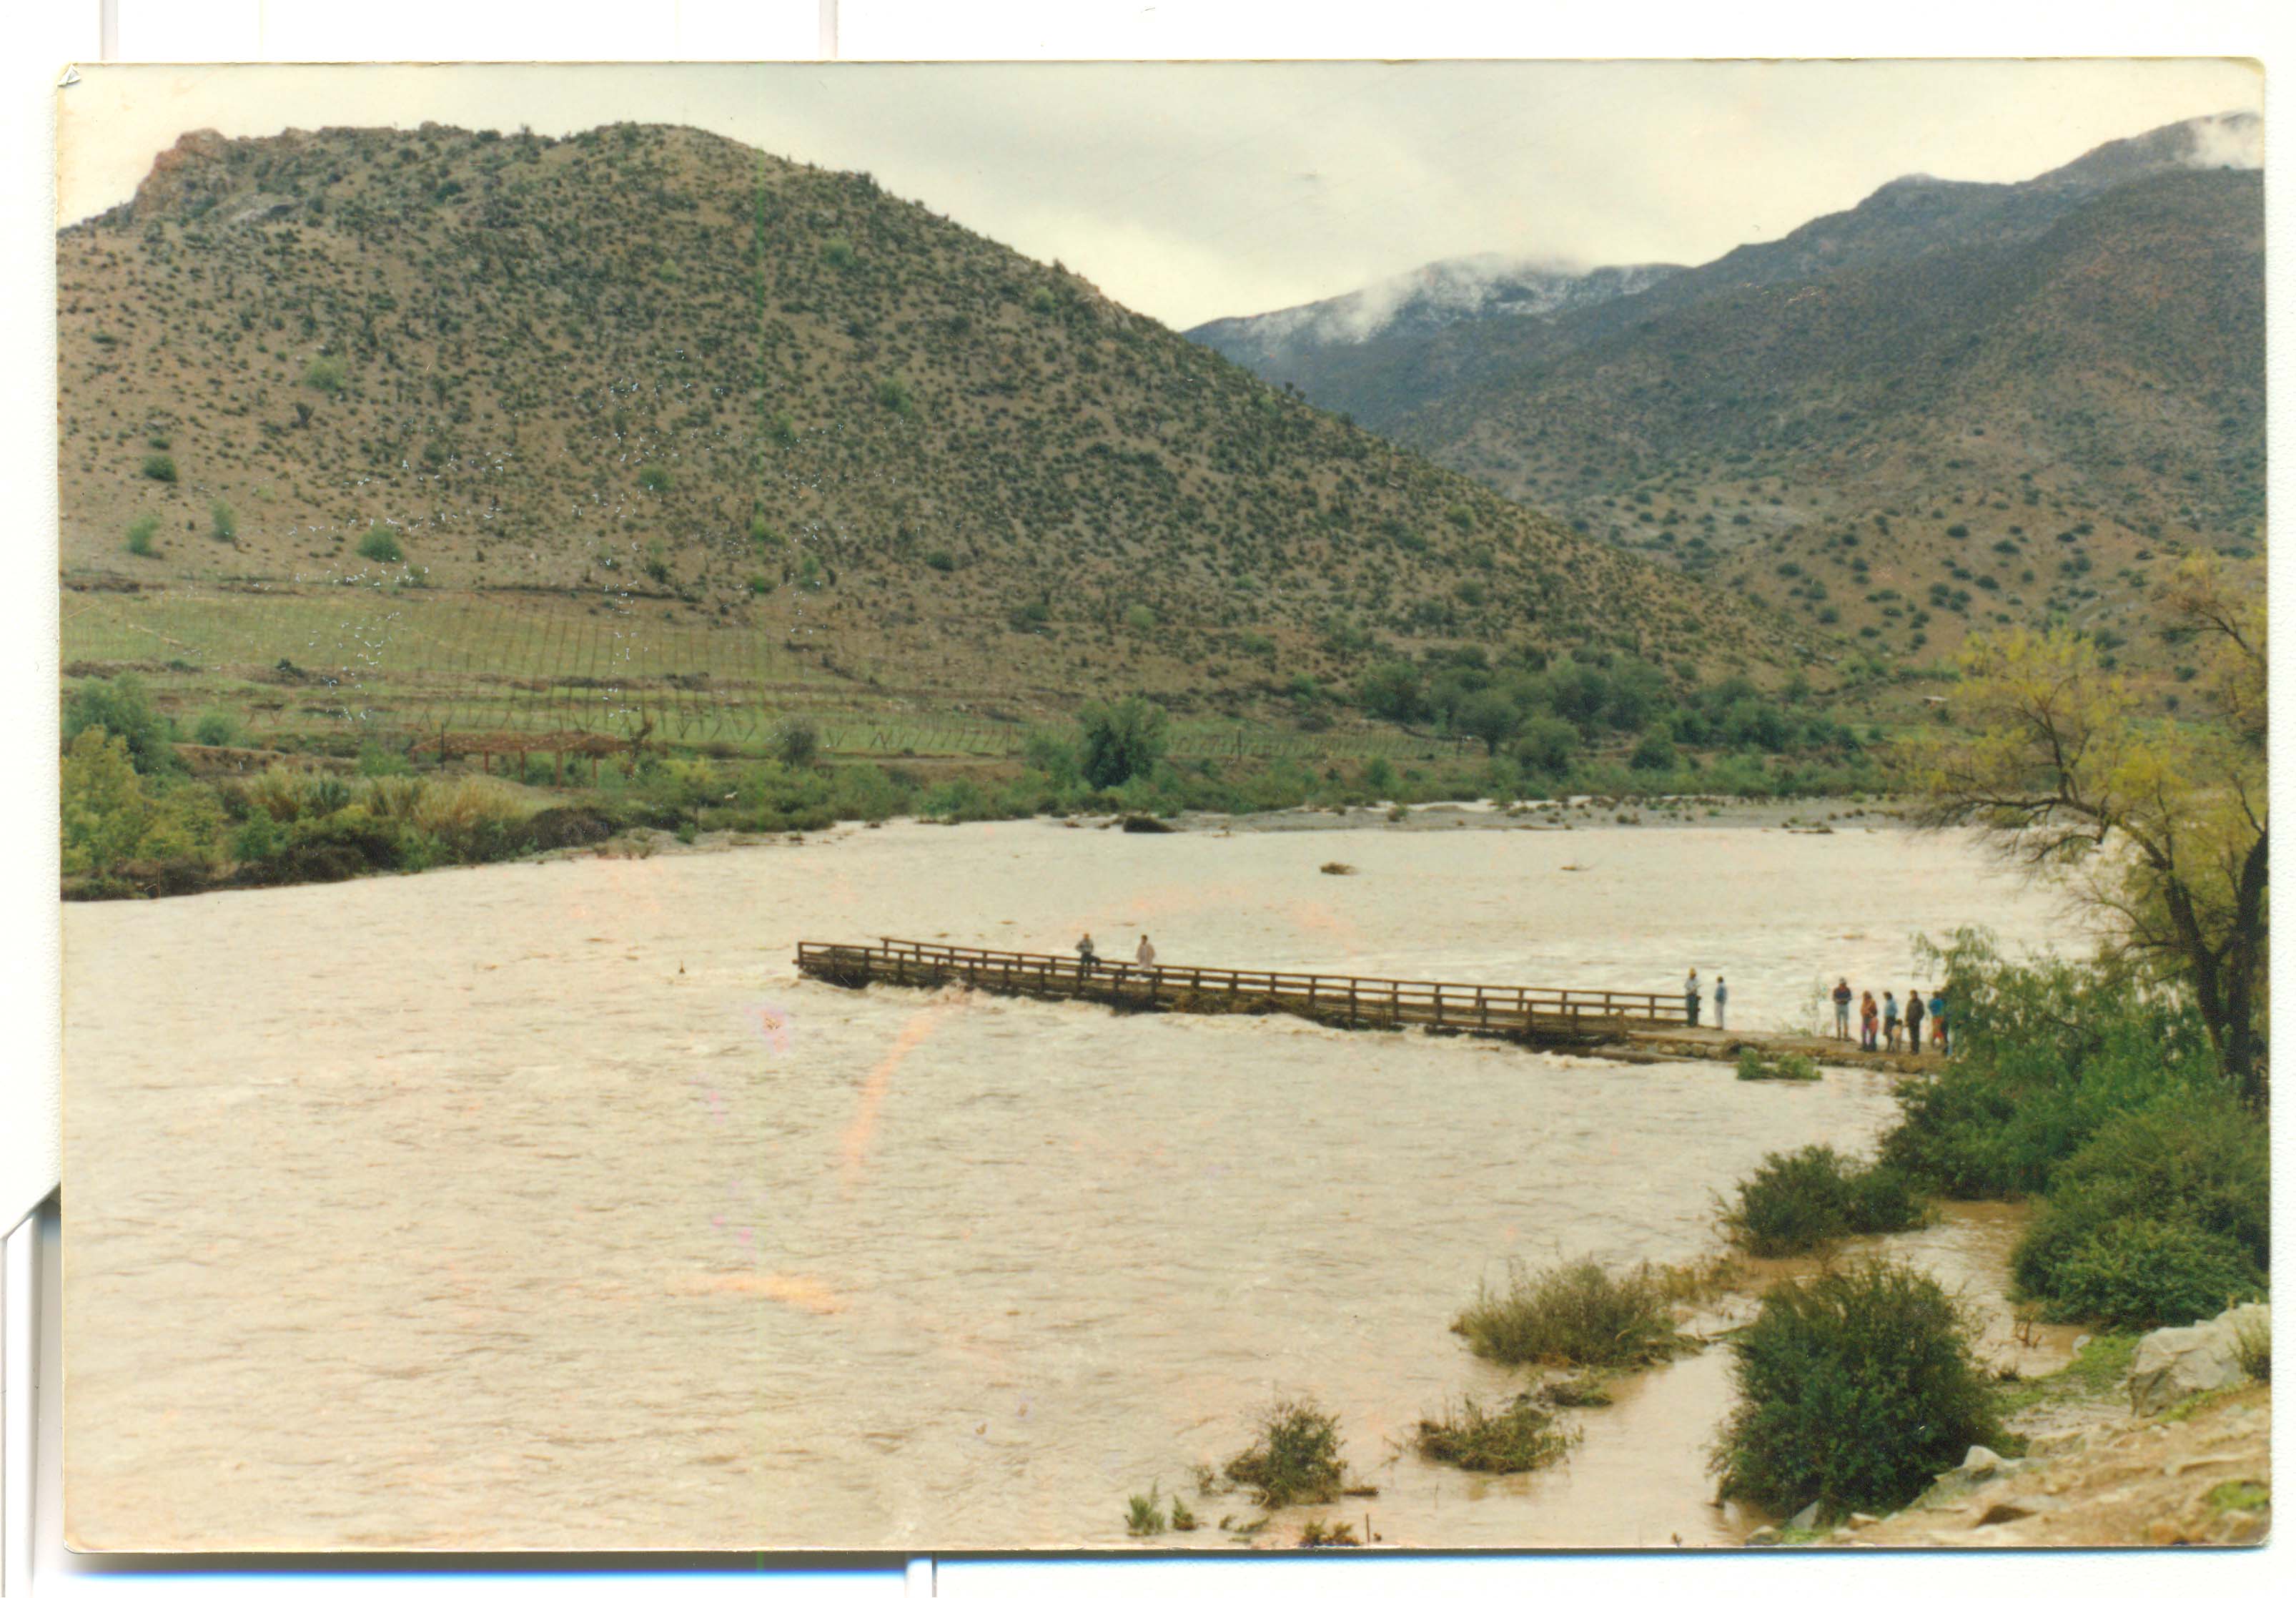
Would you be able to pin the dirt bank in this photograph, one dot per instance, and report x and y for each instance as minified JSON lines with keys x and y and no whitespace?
{"x":2202,"y":1476}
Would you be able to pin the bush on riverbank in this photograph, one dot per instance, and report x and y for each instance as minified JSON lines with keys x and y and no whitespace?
{"x":2100,"y":1094}
{"x":1796,"y":1202}
{"x":1296,"y":1459}
{"x":2163,"y":1217}
{"x":2045,"y":1055}
{"x":1855,"y":1389}
{"x":1577,"y":1313}
{"x":1521,"y":1436}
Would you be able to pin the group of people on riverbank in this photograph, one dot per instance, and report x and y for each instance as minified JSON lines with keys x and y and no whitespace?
{"x":1883,"y":1027}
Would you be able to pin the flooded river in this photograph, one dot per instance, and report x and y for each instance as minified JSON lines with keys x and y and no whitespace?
{"x":539,"y":1205}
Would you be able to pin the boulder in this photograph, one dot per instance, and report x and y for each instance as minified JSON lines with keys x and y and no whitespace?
{"x":1807,"y":1519}
{"x":1762,"y":1537}
{"x":1980,"y":1462}
{"x":2177,"y":1363}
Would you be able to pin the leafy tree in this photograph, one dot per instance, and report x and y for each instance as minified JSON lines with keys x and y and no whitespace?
{"x":2162,"y":823}
{"x":1391,"y":690}
{"x":1121,"y":741}
{"x":105,"y":813}
{"x":1579,"y":693}
{"x":1634,"y":696}
{"x":1655,"y":752}
{"x":795,"y":742}
{"x":1488,"y":715}
{"x":111,"y":815}
{"x":120,"y":708}
{"x":1546,"y":744}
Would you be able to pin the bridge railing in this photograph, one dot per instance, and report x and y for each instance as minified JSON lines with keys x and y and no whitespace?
{"x":1482,"y":1005}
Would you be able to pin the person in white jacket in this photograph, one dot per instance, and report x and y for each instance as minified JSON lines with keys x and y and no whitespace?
{"x":1144,"y":957}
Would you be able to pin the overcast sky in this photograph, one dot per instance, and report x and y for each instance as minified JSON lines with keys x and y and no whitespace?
{"x":1198,"y":190}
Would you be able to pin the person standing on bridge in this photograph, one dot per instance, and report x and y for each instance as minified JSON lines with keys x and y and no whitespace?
{"x":1721,"y":1002}
{"x":1869,"y":1016}
{"x":1915,"y":1010}
{"x":1144,"y":957}
{"x":1690,"y":996}
{"x":1842,"y":997}
{"x":1086,"y":955}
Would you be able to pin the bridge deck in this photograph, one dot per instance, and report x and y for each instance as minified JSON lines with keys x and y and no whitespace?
{"x":1541,"y":1015}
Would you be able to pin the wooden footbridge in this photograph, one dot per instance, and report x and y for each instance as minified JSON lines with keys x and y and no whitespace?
{"x":1541,"y":1016}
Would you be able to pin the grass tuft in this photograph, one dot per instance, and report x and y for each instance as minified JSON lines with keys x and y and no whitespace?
{"x":1142,"y":1516}
{"x":2253,"y":1352}
{"x":1297,"y":1458}
{"x":1522,"y":1437}
{"x":1578,"y":1314}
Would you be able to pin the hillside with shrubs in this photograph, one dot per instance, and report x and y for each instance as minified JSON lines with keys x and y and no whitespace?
{"x":645,"y":372}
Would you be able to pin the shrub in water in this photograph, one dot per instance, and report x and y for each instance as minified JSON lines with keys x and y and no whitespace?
{"x":1296,"y":1459}
{"x":1855,"y":1389}
{"x":1797,"y":1201}
{"x":2136,"y":1271}
{"x":2197,"y":1166}
{"x":1522,"y":1437}
{"x":1576,"y":1313}
{"x":1881,"y":1198}
{"x":1785,"y":1068}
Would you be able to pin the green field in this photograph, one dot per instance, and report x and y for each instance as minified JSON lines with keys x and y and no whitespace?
{"x":399,"y":666}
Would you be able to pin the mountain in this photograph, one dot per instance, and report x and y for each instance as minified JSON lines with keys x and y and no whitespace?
{"x":1952,"y":405}
{"x":643,"y":380}
{"x":1320,"y":349}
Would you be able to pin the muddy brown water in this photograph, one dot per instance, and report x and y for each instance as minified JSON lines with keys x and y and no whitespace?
{"x":540,"y":1206}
